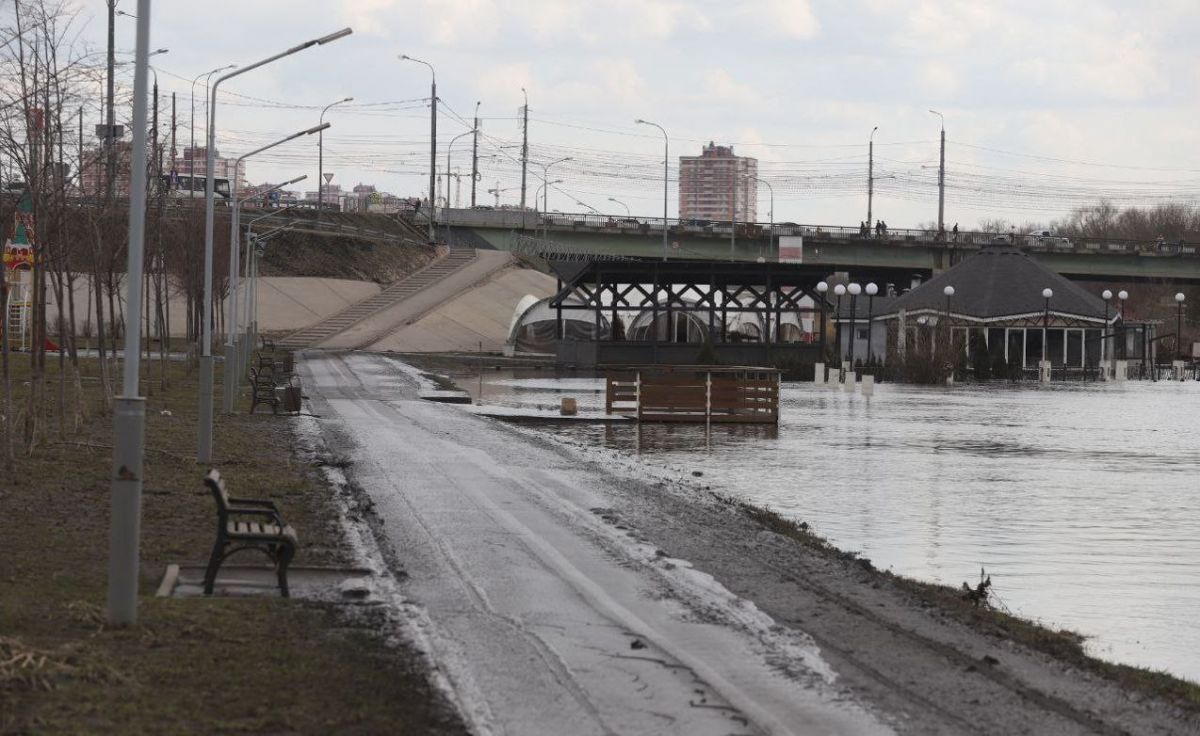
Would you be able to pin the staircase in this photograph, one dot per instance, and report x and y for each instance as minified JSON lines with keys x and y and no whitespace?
{"x":389,"y":297}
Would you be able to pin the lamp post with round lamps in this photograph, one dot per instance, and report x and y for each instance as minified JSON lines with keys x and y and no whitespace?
{"x":872,"y":289}
{"x":1106,"y":295}
{"x":822,"y":289}
{"x":855,"y":290}
{"x":1179,"y":297}
{"x":839,"y":291}
{"x":1046,"y":294}
{"x":949,"y":292}
{"x":1122,"y":295}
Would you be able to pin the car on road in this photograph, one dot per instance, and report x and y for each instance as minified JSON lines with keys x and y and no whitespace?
{"x":1047,"y":239}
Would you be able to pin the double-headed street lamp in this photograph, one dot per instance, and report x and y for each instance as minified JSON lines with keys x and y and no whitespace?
{"x":666,"y":178}
{"x":204,"y":433}
{"x":545,"y":186}
{"x":231,"y":352}
{"x":432,"y":138}
{"x":450,"y":148}
{"x":321,"y":157}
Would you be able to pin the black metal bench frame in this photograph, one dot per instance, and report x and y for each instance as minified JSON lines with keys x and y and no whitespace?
{"x":263,"y":389}
{"x":271,"y":536}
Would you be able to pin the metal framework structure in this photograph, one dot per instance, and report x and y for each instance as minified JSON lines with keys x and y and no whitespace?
{"x":708,"y":291}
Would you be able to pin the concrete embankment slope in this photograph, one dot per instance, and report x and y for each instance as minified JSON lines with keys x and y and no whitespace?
{"x":376,"y":326}
{"x":476,"y":319}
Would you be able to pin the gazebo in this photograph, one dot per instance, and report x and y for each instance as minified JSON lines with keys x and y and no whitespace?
{"x":1005,"y":303}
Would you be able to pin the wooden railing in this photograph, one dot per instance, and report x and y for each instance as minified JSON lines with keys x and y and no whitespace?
{"x":695,"y":394}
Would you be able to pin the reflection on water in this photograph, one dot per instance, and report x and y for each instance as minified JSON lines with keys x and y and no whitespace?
{"x":1081,"y":501}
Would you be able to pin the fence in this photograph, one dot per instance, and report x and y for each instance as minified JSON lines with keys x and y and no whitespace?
{"x":695,"y":394}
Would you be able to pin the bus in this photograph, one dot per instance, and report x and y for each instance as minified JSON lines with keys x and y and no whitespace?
{"x":192,"y":187}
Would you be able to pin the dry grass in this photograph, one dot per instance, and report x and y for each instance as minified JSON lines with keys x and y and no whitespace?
{"x":190,"y":665}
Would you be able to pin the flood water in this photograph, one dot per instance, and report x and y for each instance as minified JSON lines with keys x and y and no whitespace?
{"x":1082,"y":501}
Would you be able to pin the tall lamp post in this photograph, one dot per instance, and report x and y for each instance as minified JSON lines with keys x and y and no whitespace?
{"x":870,"y":174}
{"x":192,"y":165}
{"x":822,"y":288}
{"x":666,"y":178}
{"x":839,"y":291}
{"x":231,"y":331}
{"x":949,"y":292}
{"x":545,"y":218}
{"x":204,"y":432}
{"x":129,"y":415}
{"x":941,"y":176}
{"x":1179,"y":297}
{"x":321,"y":157}
{"x":432,"y":138}
{"x":610,"y":199}
{"x":854,"y":289}
{"x":872,"y":289}
{"x":1047,"y":293}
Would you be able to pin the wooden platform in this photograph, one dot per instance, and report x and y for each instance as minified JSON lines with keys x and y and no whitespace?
{"x":706,"y":394}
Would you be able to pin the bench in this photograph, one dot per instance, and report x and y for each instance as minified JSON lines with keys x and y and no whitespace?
{"x":262,"y":389}
{"x":237,"y":530}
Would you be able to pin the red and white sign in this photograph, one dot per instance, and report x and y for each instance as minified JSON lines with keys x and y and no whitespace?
{"x":791,"y":249}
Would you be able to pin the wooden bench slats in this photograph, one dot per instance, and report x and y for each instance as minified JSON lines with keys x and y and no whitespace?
{"x":273,"y":537}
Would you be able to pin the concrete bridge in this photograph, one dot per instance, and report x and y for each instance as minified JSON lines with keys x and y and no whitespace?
{"x":838,"y":248}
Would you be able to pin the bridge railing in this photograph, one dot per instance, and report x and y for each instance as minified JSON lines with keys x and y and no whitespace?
{"x":592,"y":222}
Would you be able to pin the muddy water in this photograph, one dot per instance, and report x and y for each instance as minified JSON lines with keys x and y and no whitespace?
{"x":1081,"y":501}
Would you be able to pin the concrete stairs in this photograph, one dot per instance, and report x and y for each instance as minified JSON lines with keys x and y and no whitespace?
{"x":456,"y":259}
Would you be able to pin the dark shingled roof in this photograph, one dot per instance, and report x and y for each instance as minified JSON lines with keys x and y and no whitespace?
{"x":1001,"y":282}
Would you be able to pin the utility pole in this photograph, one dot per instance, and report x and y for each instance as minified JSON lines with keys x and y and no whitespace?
{"x":154,"y":140}
{"x":941,"y":177}
{"x":475,"y":154}
{"x":172,"y":132}
{"x":870,"y":176}
{"x":524,"y":144}
{"x":110,"y":165}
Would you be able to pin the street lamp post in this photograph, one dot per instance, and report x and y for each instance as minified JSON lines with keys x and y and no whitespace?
{"x":1122,"y":295}
{"x":839,"y":291}
{"x":450,"y":148}
{"x":546,"y":186}
{"x":129,"y":412}
{"x":1106,"y":295}
{"x":1047,"y":293}
{"x":822,"y":289}
{"x":870,"y":174}
{"x":771,"y":232}
{"x":872,"y":289}
{"x":949,"y":292}
{"x":854,"y":289}
{"x":204,"y":432}
{"x":231,"y":330}
{"x":432,"y":139}
{"x":1179,"y":297}
{"x":941,"y":176}
{"x":666,"y":179}
{"x":321,"y":157}
{"x":545,"y":217}
{"x":610,"y":199}
{"x":250,"y":333}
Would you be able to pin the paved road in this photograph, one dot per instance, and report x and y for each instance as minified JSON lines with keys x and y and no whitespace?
{"x":547,"y":615}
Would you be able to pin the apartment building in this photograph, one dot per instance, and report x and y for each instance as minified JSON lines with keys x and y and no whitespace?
{"x":712,"y":184}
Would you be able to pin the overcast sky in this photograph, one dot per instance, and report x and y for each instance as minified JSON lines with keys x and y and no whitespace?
{"x":1048,"y":104}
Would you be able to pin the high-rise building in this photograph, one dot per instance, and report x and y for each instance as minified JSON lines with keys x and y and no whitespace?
{"x":710,"y":183}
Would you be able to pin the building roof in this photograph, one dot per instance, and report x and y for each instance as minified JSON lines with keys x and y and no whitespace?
{"x":1001,"y":282}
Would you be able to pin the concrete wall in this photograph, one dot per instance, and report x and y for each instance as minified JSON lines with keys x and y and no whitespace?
{"x":284,"y":303}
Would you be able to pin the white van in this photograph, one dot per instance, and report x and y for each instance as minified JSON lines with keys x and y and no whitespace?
{"x":1047,"y":239}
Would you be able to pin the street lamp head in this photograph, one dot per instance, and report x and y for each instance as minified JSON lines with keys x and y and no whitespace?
{"x":1122,"y":295}
{"x":1047,"y":293}
{"x":872,"y":289}
{"x":948,"y":291}
{"x":822,"y":287}
{"x":348,"y":99}
{"x":1179,"y":297}
{"x":156,"y":52}
{"x":314,"y":129}
{"x":640,"y":121}
{"x":854,"y":289}
{"x":334,"y":36}
{"x":840,"y":289}
{"x":1106,"y":294}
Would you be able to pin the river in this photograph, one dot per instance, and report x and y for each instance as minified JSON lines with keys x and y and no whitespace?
{"x":1081,"y":501}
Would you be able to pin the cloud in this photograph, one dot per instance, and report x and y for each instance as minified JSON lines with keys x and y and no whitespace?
{"x":940,"y":80}
{"x":794,"y":18}
{"x":720,"y":86}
